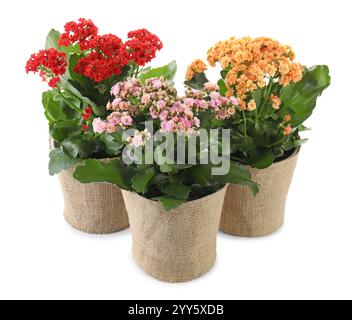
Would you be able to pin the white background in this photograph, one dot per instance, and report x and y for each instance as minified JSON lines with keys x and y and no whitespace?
{"x":41,"y":257}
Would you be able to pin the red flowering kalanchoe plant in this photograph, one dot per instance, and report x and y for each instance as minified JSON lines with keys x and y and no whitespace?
{"x":80,"y":66}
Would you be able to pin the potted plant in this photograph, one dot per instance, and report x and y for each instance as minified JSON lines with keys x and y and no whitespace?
{"x":276,"y":96}
{"x":173,"y":195}
{"x":80,"y":67}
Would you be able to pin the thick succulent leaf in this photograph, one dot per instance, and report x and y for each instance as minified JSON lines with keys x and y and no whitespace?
{"x":168,"y":72}
{"x":98,"y":171}
{"x":299,"y":99}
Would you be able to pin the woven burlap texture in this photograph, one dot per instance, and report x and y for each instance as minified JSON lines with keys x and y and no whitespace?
{"x":246,"y":215}
{"x":176,"y":246}
{"x":96,"y":208}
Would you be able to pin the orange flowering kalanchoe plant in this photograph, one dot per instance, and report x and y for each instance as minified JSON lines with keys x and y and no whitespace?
{"x":275,"y":96}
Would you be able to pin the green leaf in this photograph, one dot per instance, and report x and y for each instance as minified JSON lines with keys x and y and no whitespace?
{"x":223,"y":87}
{"x":302,"y":128}
{"x":224,"y":73}
{"x":168,"y":72}
{"x":54,"y":111}
{"x":265,"y":160}
{"x":96,"y":171}
{"x":64,"y":129}
{"x":59,"y":161}
{"x":82,"y":80}
{"x":300,"y":99}
{"x":142,"y":179}
{"x":82,"y":147}
{"x":176,"y":189}
{"x":51,"y":42}
{"x":198,"y":81}
{"x":66,"y":84}
{"x":238,"y":175}
{"x":169,"y":203}
{"x":113,"y":146}
{"x":258,"y":96}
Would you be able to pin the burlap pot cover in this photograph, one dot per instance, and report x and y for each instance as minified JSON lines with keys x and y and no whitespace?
{"x":246,"y":215}
{"x":176,"y":246}
{"x":96,"y":208}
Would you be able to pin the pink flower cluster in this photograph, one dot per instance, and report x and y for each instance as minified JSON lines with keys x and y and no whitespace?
{"x":157,"y":99}
{"x":140,"y":138}
{"x":210,"y":98}
{"x":113,"y":122}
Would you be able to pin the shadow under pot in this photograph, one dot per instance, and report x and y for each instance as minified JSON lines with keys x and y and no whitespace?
{"x":176,"y":246}
{"x":246,"y":215}
{"x":96,"y":208}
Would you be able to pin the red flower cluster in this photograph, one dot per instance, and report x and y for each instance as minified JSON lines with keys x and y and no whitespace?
{"x":107,"y":58}
{"x":101,"y":56}
{"x":51,"y":64}
{"x":80,"y":32}
{"x":87,"y":113}
{"x":86,"y":116}
{"x":142,"y":46}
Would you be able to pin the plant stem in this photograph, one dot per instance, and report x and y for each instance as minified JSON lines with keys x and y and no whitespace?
{"x":245,"y":123}
{"x":269,"y":88}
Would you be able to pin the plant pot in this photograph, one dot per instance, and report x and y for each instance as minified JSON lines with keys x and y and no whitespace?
{"x":176,"y":246}
{"x":96,"y":208}
{"x":246,"y":215}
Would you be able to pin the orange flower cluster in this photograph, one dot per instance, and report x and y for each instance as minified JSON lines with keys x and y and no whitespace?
{"x":198,"y":66}
{"x":252,"y":62}
{"x":276,"y":102}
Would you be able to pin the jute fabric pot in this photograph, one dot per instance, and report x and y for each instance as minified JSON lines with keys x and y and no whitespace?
{"x":175,"y":246}
{"x":246,"y":215}
{"x":96,"y":208}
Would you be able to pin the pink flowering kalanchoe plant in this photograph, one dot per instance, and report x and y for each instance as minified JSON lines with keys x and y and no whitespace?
{"x":136,"y":103}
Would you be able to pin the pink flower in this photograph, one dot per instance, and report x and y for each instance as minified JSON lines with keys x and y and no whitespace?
{"x":114,"y":119}
{"x":115,"y":90}
{"x":189,"y":102}
{"x":137,"y":140}
{"x":146,"y":99}
{"x":234,"y":101}
{"x":215,"y":95}
{"x":196,"y":122}
{"x":161,"y":104}
{"x":168,"y":126}
{"x":211,"y":87}
{"x":163,"y":115}
{"x":99,"y":126}
{"x":154,"y":115}
{"x":126,"y":120}
{"x":157,"y":84}
{"x":116,"y":102}
{"x":110,"y":128}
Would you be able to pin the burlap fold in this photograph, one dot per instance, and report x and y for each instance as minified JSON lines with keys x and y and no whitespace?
{"x":248,"y":216}
{"x":176,"y":246}
{"x":96,"y":208}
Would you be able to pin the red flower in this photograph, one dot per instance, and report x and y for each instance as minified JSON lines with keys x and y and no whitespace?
{"x":53,"y":82}
{"x":142,"y":46}
{"x":87,"y":113}
{"x":84,"y":127}
{"x":80,"y":32}
{"x":51,"y":64}
{"x":107,"y":58}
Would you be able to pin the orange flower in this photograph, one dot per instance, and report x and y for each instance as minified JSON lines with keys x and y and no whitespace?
{"x":252,"y":61}
{"x":287,"y":118}
{"x":197,"y":66}
{"x":276,"y":102}
{"x":252,"y":105}
{"x":288,"y":130}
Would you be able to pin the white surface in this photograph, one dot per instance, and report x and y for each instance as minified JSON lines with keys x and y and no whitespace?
{"x":42,"y":257}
